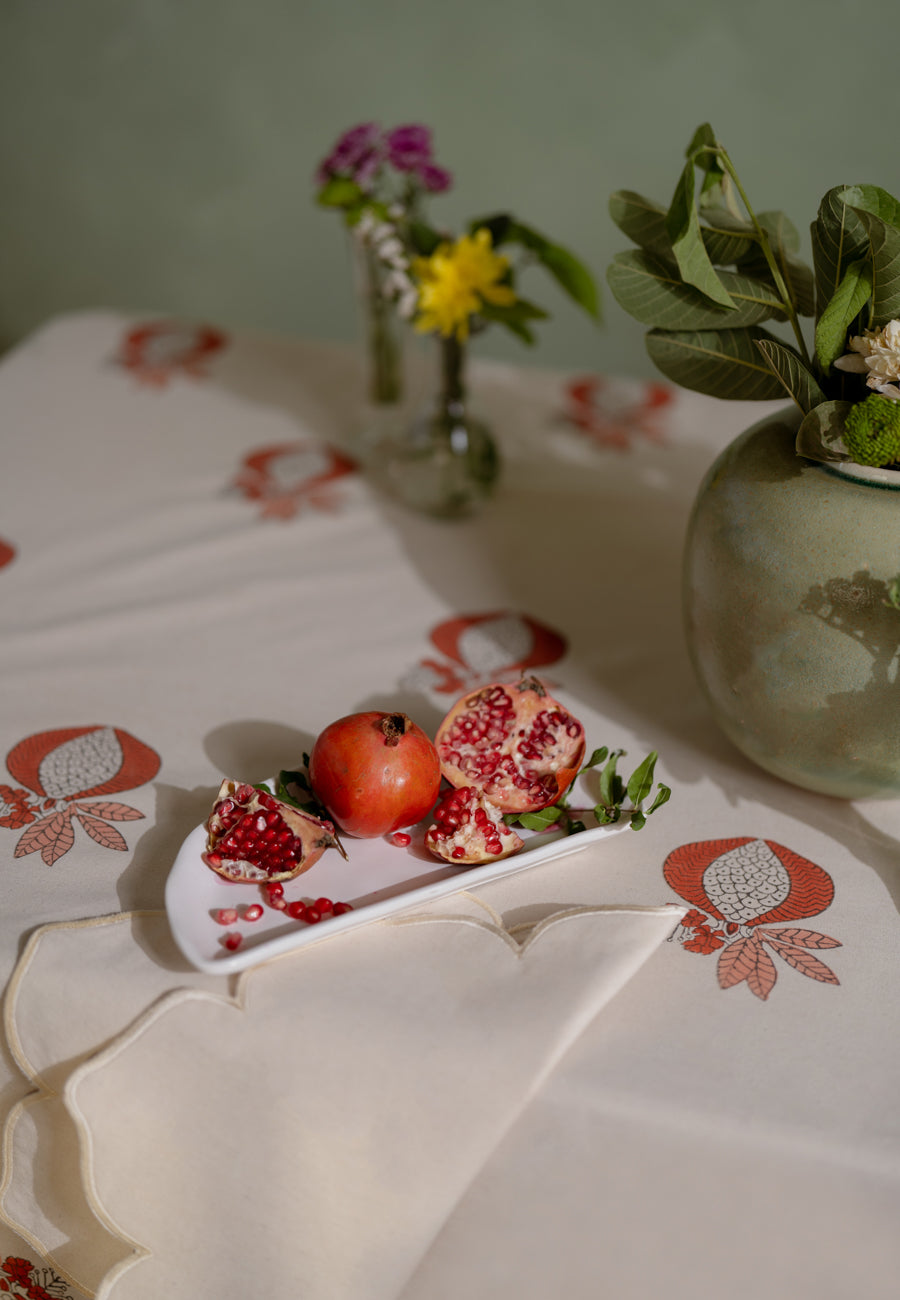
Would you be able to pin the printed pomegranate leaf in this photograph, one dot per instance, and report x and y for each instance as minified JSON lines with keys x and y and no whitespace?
{"x":805,"y":962}
{"x":111,"y":812}
{"x":105,"y":835}
{"x":801,"y":938}
{"x":761,"y":978}
{"x":737,"y":961}
{"x":53,"y":836}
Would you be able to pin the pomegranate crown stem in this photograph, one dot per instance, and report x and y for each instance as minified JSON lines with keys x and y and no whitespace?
{"x":394,"y":727}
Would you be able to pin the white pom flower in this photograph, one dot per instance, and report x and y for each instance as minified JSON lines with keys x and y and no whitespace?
{"x":876,"y":354}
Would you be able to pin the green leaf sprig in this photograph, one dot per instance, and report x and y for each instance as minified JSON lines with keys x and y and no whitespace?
{"x":611,"y":806}
{"x":308,"y":803}
{"x":709,"y":270}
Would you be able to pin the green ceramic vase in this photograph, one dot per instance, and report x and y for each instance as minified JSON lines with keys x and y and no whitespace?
{"x":792,"y":611}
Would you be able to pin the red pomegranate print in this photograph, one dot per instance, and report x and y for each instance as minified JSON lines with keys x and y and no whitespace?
{"x":613,"y":412}
{"x":34,"y":1282}
{"x":7,"y":553}
{"x":60,"y":770}
{"x":286,"y":477}
{"x":745,"y":885}
{"x":498,"y":645}
{"x":154,"y":352}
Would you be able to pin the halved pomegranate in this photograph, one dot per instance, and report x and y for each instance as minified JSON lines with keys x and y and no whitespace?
{"x":514,"y":742}
{"x":255,"y":838}
{"x":468,"y":828}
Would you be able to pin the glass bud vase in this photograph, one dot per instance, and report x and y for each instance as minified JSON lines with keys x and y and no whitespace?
{"x":445,"y":463}
{"x":382,"y":334}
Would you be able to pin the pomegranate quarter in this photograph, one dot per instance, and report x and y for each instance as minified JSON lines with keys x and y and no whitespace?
{"x":254,"y":837}
{"x":514,"y":743}
{"x":374,"y":773}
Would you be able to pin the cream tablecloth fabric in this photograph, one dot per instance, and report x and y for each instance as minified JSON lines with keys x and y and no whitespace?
{"x":523,"y":1091}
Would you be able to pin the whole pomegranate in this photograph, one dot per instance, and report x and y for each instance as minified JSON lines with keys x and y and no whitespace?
{"x":514,"y":743}
{"x":254,"y":837}
{"x":374,"y":772}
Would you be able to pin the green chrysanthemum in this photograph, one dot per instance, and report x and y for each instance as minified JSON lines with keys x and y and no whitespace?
{"x":872,"y":431}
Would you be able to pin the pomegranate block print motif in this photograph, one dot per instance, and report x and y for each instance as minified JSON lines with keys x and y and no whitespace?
{"x":157,"y":351}
{"x":64,"y":776}
{"x":740,"y":888}
{"x":482,"y":648}
{"x":285,"y":478}
{"x":20,"y":1277}
{"x":613,"y":413}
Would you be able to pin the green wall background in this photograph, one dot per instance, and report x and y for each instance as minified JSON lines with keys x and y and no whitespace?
{"x":156,"y":155}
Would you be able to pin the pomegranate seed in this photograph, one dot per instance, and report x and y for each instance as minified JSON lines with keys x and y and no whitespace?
{"x":458,"y":852}
{"x":232,"y":941}
{"x":401,"y":839}
{"x":313,"y":915}
{"x":275,"y":890}
{"x":253,"y":912}
{"x":214,"y":859}
{"x":297,"y":910}
{"x":323,"y":905}
{"x":280,"y":904}
{"x":226,"y":915}
{"x":341,"y":908}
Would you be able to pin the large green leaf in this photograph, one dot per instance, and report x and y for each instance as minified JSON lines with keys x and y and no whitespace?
{"x":798,"y":380}
{"x":820,"y":436}
{"x":728,"y":239}
{"x":783,"y":234}
{"x":839,"y":237}
{"x":683,"y":226}
{"x":783,"y":243}
{"x":652,"y":291}
{"x":880,"y":214}
{"x":846,"y":304}
{"x":722,"y":363}
{"x":875,"y":200}
{"x":642,"y":220}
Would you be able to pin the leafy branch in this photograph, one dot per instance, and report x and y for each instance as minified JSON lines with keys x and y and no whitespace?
{"x":614,"y":791}
{"x":709,"y":270}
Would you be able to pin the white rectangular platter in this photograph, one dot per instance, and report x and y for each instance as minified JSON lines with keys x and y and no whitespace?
{"x":378,"y":879}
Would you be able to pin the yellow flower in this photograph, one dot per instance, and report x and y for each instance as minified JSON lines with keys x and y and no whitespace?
{"x":455,"y":282}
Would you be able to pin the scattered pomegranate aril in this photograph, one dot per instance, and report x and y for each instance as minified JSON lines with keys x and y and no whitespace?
{"x":255,"y":838}
{"x":233,"y":941}
{"x":323,"y":905}
{"x":467,"y":828}
{"x":313,"y":916}
{"x":340,"y":908}
{"x":297,"y":910}
{"x":514,"y":743}
{"x":226,"y":915}
{"x":374,"y":772}
{"x":253,"y":912}
{"x":401,"y":839}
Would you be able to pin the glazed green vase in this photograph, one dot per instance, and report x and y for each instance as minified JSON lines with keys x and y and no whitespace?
{"x":792,"y":612}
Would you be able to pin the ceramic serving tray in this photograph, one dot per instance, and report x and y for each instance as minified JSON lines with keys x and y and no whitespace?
{"x":378,"y":879}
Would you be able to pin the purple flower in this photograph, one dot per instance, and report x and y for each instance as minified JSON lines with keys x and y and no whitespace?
{"x":435,"y":179}
{"x":409,"y":147}
{"x":357,"y":155}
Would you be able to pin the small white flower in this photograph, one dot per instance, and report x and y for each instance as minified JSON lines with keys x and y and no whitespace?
{"x":876,"y":354}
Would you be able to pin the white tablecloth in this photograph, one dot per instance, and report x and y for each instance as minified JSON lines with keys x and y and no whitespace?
{"x":194,"y":580}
